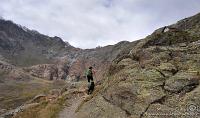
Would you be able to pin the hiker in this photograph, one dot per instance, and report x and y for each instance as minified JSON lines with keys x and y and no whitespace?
{"x":89,"y":75}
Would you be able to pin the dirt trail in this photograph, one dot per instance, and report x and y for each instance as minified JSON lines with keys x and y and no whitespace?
{"x":69,"y":111}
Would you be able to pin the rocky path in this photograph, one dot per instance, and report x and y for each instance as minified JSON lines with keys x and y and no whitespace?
{"x":69,"y":110}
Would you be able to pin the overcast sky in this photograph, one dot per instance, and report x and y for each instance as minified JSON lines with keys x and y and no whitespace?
{"x":90,"y":23}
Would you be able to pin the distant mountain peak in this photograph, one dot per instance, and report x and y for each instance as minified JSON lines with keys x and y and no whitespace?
{"x":1,"y":18}
{"x":18,"y":43}
{"x":67,"y":43}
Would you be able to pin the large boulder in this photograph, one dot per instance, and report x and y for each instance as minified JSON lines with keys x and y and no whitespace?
{"x":167,"y":69}
{"x":134,"y":97}
{"x":100,"y":108}
{"x":161,"y":111}
{"x":182,"y":81}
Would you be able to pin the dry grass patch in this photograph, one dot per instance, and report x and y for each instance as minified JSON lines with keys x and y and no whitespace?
{"x":43,"y":110}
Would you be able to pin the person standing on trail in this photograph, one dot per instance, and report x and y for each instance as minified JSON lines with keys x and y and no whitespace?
{"x":89,"y":75}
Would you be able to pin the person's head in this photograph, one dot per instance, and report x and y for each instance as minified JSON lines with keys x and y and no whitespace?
{"x":90,"y":67}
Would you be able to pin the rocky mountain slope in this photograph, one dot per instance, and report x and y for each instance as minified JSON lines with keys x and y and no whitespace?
{"x":24,"y":47}
{"x":30,"y":61}
{"x":158,"y":77}
{"x":21,"y":48}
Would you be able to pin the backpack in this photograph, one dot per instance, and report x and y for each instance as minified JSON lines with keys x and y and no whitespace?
{"x":89,"y":72}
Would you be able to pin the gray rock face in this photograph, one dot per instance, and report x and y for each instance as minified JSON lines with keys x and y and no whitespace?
{"x":182,"y":82}
{"x":101,"y":109}
{"x":24,"y":47}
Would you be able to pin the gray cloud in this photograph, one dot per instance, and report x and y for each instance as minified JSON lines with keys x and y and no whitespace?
{"x":89,"y":23}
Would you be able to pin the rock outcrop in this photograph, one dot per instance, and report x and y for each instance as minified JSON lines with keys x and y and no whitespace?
{"x":158,"y":77}
{"x":48,"y":71}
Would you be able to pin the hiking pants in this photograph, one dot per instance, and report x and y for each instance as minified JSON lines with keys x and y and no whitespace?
{"x":89,"y":78}
{"x":91,"y":88}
